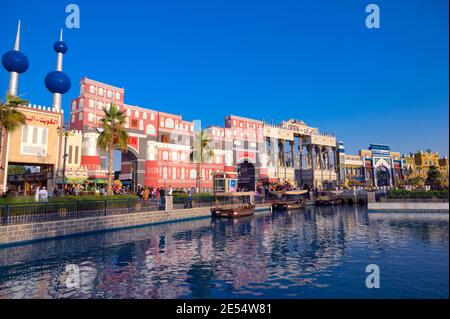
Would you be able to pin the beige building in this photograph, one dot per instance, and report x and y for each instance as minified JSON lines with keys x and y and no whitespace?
{"x":419,"y":164}
{"x":31,"y":154}
{"x":75,"y":173}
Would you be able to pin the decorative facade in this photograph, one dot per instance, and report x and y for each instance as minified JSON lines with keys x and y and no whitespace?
{"x":378,"y":166}
{"x":160,"y":146}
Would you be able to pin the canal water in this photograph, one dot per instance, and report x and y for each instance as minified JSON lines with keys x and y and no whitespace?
{"x":317,"y":252}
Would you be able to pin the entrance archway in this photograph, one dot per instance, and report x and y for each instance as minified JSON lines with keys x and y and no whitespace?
{"x":383,"y":176}
{"x":127,"y":169}
{"x":246,"y":176}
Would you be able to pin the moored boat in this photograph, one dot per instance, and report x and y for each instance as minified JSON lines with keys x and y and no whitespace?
{"x":286,"y":200}
{"x":328,"y":198}
{"x":233,"y":205}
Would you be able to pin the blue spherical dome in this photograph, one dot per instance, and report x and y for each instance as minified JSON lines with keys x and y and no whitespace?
{"x":15,"y":61}
{"x":60,"y":47}
{"x":57,"y":82}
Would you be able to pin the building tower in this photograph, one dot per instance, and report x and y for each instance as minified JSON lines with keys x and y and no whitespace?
{"x":57,"y":82}
{"x":15,"y":62}
{"x":341,"y":161}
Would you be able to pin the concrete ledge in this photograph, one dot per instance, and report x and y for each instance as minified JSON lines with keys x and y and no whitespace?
{"x":24,"y":233}
{"x":416,"y":207}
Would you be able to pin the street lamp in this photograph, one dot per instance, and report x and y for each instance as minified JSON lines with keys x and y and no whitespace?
{"x":64,"y":131}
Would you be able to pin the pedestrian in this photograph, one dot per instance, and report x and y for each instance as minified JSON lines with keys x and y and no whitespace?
{"x":36,"y":194}
{"x":170,"y":192}
{"x":162,"y":194}
{"x":146,"y":194}
{"x":43,"y":194}
{"x":190,"y":198}
{"x":139,"y":191}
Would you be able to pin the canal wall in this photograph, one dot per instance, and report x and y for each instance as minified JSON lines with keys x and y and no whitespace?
{"x":23,"y":233}
{"x":407,"y":207}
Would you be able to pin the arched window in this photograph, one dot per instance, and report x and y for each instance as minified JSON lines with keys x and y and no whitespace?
{"x":141,"y":125}
{"x":192,"y":174}
{"x":165,"y":172}
{"x":182,"y":173}
{"x":165,"y":156}
{"x":174,"y":173}
{"x":150,"y":130}
{"x":152,"y":117}
{"x":117,"y":96}
{"x":100,"y":91}
{"x":80,"y":116}
{"x":217,"y":159}
{"x":44,"y":136}
{"x":90,"y":117}
{"x":100,"y":105}
{"x":81,"y":104}
{"x":81,"y":89}
{"x":34,"y":139}
{"x":92,"y":89}
{"x":25,"y":134}
{"x":136,"y":114}
{"x":72,"y":118}
{"x":108,"y":107}
{"x":183,"y":157}
{"x":174,"y":156}
{"x":128,"y":112}
{"x":91,"y":104}
{"x":74,"y":105}
{"x":144,"y":116}
{"x":169,"y":123}
{"x":109,"y":94}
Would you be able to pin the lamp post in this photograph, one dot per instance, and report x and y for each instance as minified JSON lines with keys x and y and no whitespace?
{"x":165,"y":173}
{"x":64,"y":131}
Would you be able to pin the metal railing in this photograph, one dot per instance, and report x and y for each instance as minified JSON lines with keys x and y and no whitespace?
{"x":24,"y":213}
{"x":182,"y":202}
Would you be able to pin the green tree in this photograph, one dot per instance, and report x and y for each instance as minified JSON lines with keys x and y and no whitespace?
{"x":433,"y":178}
{"x":10,"y":118}
{"x":202,"y":152}
{"x":416,"y":181}
{"x":113,"y":136}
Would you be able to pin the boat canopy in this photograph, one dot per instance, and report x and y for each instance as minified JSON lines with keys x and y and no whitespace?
{"x":292,"y":192}
{"x":234,"y":194}
{"x":297,"y":192}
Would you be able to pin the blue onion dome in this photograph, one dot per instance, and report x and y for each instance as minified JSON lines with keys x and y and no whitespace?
{"x":57,"y":82}
{"x":15,"y":61}
{"x":60,"y":47}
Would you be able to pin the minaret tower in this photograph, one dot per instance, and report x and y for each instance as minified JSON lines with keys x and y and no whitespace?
{"x":57,"y":82}
{"x":15,"y":62}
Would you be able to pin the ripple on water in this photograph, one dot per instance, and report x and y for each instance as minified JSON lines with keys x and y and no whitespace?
{"x":320,"y":253}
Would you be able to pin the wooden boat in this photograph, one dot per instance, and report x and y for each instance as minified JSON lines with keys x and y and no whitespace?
{"x":286,"y":200}
{"x":328,"y":198}
{"x":233,"y":205}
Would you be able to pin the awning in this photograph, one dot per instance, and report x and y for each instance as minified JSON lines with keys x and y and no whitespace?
{"x":75,"y":180}
{"x":98,"y":181}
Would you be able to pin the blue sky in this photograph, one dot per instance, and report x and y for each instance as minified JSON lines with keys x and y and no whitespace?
{"x":311,"y":60}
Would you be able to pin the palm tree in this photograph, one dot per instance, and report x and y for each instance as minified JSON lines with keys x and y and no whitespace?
{"x":201,"y":153}
{"x":10,"y":118}
{"x":112,"y":136}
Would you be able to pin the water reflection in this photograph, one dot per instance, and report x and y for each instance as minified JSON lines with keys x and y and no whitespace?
{"x":314,"y":252}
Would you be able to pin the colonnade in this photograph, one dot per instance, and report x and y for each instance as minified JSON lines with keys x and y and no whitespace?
{"x":297,"y":154}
